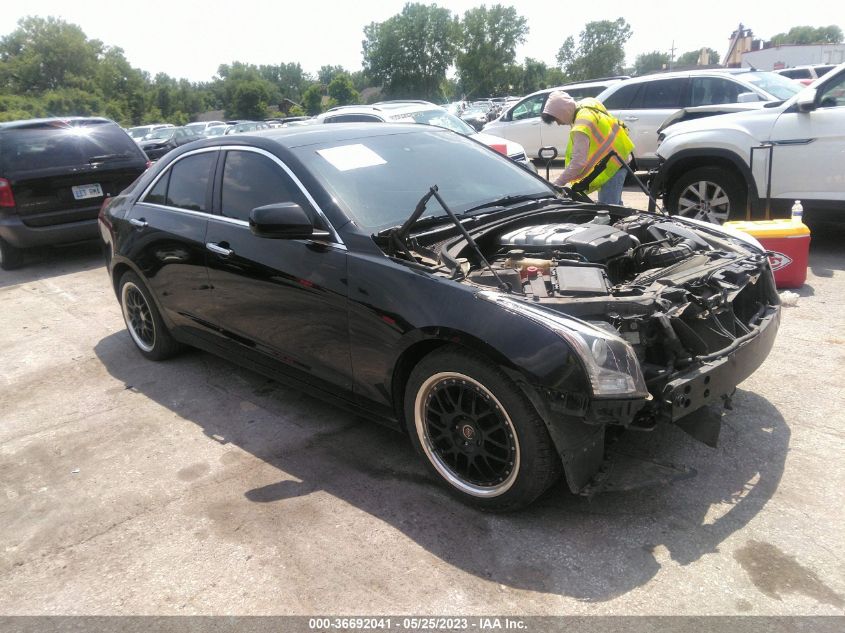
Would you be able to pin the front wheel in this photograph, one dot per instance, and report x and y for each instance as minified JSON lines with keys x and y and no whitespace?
{"x":710,"y":194}
{"x":477,"y":432}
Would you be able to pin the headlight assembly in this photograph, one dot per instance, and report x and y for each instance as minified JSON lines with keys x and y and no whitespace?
{"x":609,"y":360}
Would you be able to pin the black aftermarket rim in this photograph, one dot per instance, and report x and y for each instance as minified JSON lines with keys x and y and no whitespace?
{"x":470,"y":433}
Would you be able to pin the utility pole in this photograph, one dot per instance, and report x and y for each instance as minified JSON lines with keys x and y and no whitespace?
{"x":671,"y":55}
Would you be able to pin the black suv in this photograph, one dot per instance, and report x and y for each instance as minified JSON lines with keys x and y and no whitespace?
{"x":54,"y":176}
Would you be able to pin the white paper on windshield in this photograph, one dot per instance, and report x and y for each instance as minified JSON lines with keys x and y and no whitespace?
{"x":347,"y":157}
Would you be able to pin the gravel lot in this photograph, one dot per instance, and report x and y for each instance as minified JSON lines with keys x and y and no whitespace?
{"x":197,"y":487}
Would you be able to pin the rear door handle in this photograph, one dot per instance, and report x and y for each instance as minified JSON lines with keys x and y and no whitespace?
{"x":138,"y":222}
{"x":219,"y":249}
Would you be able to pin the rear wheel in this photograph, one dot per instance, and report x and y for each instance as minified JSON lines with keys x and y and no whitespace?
{"x":477,"y":432}
{"x":10,"y":257}
{"x":710,"y":194}
{"x":143,"y":320}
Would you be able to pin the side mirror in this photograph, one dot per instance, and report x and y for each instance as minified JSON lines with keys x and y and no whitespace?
{"x":285,"y":220}
{"x":806,"y":100}
{"x":747,"y":97}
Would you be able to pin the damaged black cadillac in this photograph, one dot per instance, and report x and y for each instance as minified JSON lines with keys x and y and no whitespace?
{"x":421,"y":279}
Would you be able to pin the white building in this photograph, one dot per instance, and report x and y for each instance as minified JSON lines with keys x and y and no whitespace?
{"x":778,"y":57}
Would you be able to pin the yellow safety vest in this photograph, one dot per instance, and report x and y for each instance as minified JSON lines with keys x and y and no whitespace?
{"x":606,"y":133}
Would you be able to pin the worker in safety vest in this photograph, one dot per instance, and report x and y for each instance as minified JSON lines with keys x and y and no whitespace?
{"x":594,"y":134}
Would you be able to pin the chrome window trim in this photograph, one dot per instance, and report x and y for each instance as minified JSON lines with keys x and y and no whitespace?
{"x":336,"y":240}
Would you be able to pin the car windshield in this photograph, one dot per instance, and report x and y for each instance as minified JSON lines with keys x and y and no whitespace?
{"x":381,"y":178}
{"x":138,"y":132}
{"x":161,"y":135}
{"x":440,"y":118}
{"x":215,"y":130}
{"x":776,"y":85}
{"x":197,"y":127}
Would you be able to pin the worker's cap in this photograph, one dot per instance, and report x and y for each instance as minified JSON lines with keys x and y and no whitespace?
{"x":561,"y":106}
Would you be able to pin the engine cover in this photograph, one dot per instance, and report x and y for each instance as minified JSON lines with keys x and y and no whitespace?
{"x":595,"y":242}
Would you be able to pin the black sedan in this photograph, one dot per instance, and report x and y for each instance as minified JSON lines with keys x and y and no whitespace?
{"x":157,"y":143}
{"x":426,"y":281}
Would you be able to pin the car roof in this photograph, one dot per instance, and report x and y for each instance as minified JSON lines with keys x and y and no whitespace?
{"x":595,"y":83}
{"x":300,"y":136}
{"x":388,"y":108}
{"x":714,"y":72}
{"x":45,"y":122}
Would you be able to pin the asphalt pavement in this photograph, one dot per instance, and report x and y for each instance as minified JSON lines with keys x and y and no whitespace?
{"x":196,"y":487}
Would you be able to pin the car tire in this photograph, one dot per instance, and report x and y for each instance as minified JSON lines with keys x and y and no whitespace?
{"x":710,"y":194}
{"x":10,"y":257}
{"x":143,"y":321}
{"x":477,"y":432}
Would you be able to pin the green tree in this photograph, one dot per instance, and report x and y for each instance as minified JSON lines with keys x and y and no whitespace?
{"x":341,"y":90}
{"x":600,"y":51}
{"x":251,"y":98}
{"x":489,"y":39}
{"x":410,"y":52}
{"x":312,"y":99}
{"x":47,"y":54}
{"x":690,"y":58}
{"x":809,"y":35}
{"x":327,"y":73}
{"x":534,"y":76}
{"x":650,"y":62}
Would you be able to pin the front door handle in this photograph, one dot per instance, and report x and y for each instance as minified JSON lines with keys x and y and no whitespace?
{"x":138,"y":222}
{"x":220,"y":249}
{"x":631,"y":118}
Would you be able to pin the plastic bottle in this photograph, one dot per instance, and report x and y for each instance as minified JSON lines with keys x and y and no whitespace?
{"x":797,"y":211}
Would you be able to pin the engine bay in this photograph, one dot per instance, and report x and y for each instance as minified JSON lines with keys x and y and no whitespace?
{"x":680,"y":295}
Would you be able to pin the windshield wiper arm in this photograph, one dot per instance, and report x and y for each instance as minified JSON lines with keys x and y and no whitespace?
{"x":508,"y":200}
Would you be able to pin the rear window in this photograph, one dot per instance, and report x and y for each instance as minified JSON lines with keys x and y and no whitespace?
{"x":65,"y":144}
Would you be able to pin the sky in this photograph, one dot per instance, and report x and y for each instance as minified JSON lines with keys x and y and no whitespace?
{"x":191,"y":39}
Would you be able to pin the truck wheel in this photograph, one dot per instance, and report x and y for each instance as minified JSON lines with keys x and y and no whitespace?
{"x":711,"y":194}
{"x":477,"y":432}
{"x":10,"y":257}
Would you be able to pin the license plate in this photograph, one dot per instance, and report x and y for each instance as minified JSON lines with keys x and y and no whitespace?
{"x":80,"y":192}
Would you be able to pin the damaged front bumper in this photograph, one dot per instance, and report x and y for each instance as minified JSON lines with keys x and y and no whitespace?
{"x":682,"y":400}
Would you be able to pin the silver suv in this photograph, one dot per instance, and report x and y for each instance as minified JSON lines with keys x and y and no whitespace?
{"x":739,"y":166}
{"x":645,"y":103}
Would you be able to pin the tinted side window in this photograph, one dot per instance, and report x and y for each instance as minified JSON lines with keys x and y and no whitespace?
{"x":663,"y":93}
{"x":251,"y":180}
{"x":833,"y":93}
{"x":189,"y":182}
{"x":158,"y":194}
{"x":529,"y":108}
{"x":713,"y":91}
{"x":622,"y":98}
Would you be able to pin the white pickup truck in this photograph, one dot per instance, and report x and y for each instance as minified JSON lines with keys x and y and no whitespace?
{"x":738,"y":165}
